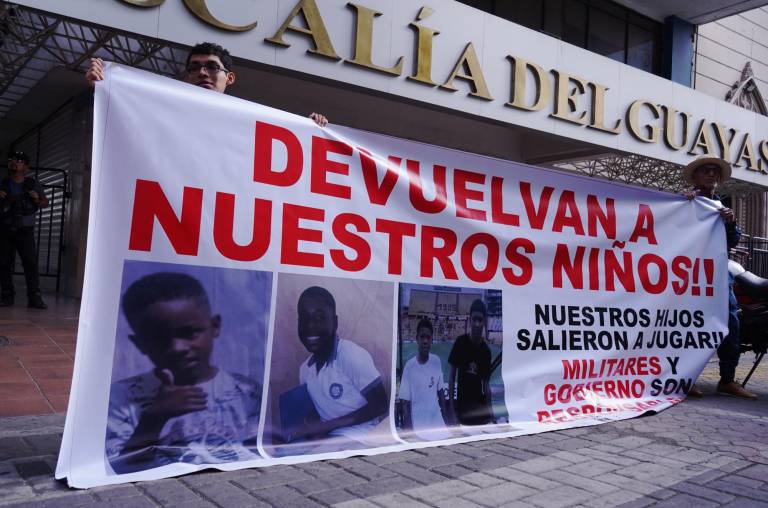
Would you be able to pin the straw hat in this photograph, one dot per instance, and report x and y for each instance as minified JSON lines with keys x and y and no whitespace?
{"x":704,"y":160}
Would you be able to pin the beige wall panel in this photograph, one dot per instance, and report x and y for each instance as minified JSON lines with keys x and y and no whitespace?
{"x":716,"y":71}
{"x":711,"y":87}
{"x":717,"y":32}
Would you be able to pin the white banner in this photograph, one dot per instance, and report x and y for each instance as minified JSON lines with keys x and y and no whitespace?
{"x":263,"y":291}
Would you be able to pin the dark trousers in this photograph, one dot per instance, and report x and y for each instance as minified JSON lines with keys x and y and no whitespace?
{"x":729,"y":350}
{"x":21,"y":240}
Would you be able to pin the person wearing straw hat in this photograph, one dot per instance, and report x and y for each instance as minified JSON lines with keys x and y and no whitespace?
{"x":705,"y":173}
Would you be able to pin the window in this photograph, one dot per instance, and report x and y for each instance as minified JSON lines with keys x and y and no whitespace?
{"x":600,"y":26}
{"x":607,"y":35}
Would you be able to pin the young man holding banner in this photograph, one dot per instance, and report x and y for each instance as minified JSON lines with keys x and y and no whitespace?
{"x":209,"y":66}
{"x":705,"y":174}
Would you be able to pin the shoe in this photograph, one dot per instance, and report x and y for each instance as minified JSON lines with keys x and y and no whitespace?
{"x":36,"y":303}
{"x":6,"y":302}
{"x":695,"y":393}
{"x":735,"y":389}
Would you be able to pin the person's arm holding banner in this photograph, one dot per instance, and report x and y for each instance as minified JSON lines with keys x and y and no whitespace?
{"x":96,"y":72}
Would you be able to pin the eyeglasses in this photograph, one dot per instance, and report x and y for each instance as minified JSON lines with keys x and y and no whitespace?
{"x":210,"y":67}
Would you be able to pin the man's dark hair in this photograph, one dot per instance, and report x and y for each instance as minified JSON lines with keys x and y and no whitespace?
{"x":210,"y":48}
{"x":18,"y":155}
{"x":425,"y":323}
{"x":477,"y":306}
{"x":160,"y":287}
{"x":321,"y":294}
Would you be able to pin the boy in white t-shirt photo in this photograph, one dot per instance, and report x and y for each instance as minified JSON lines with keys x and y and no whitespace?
{"x":185,"y":409}
{"x":341,"y":379}
{"x":423,"y":390}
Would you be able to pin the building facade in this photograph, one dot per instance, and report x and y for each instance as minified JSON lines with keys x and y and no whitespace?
{"x":624,"y":90}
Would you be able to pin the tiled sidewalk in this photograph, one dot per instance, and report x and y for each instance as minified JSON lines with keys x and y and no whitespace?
{"x":37,"y":358}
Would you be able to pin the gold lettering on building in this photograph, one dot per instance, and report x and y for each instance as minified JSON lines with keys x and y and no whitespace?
{"x":568,"y":89}
{"x":647,"y":133}
{"x":364,"y":42}
{"x":747,"y":154}
{"x":424,"y":38}
{"x":315,"y":28}
{"x":724,"y":140}
{"x":200,"y":9}
{"x":670,"y":127}
{"x":763,"y":164}
{"x":468,"y":68}
{"x":519,"y":79}
{"x":702,"y":140}
{"x":598,"y":110}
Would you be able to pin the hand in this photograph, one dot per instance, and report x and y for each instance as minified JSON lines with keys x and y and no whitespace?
{"x":34,"y":195}
{"x":95,"y":72}
{"x":690,"y":194}
{"x":727,"y":215}
{"x":174,"y":400}
{"x":3,"y":194}
{"x":319,"y":119}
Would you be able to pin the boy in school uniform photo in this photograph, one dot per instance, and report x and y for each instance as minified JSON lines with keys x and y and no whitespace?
{"x":423,"y":390}
{"x":185,"y":409}
{"x":340,"y":377}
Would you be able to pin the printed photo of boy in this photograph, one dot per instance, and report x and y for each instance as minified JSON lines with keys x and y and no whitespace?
{"x":449,"y":362}
{"x":186,"y":407}
{"x":341,"y":399}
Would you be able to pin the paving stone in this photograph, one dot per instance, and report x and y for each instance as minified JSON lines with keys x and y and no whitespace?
{"x":330,"y":482}
{"x":703,"y":492}
{"x":390,"y":458}
{"x":559,"y":497}
{"x":415,"y":472}
{"x":112,"y":492}
{"x":593,"y":485}
{"x":756,"y":472}
{"x":451,"y":471}
{"x":507,"y":491}
{"x":397,"y":500}
{"x":738,"y":490}
{"x":457,"y":502}
{"x":630,"y":442}
{"x":168,"y":491}
{"x":490,"y":462}
{"x":385,"y":486}
{"x":366,"y":470}
{"x":746,"y":503}
{"x":540,"y":465}
{"x":280,"y":496}
{"x":356,"y":503}
{"x":617,"y":498}
{"x":267,"y":478}
{"x":537,"y":482}
{"x":685,"y":501}
{"x":333,"y":497}
{"x":481,"y":480}
{"x":228,"y":495}
{"x":573,"y":457}
{"x":441,"y":490}
{"x":591,"y":468}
